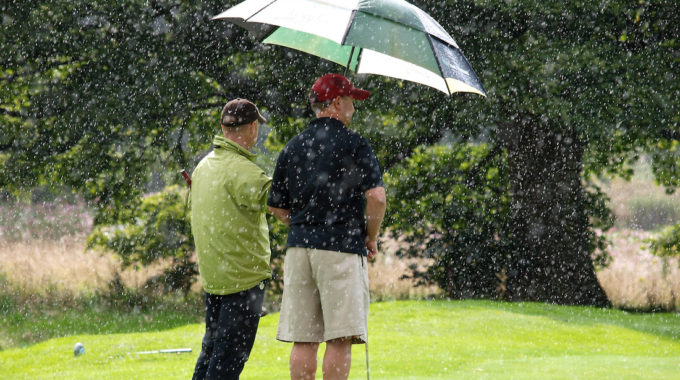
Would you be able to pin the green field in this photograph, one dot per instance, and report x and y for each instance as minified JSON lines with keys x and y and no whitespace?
{"x":408,"y":340}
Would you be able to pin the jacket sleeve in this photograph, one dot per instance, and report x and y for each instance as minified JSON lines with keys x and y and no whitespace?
{"x":253,"y":190}
{"x":254,"y":196}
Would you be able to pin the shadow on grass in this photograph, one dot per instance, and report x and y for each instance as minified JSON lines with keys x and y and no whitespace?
{"x":665,"y":324}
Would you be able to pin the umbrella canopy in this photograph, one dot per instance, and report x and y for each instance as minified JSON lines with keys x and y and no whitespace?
{"x":386,"y":37}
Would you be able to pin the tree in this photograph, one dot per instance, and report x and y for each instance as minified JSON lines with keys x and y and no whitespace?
{"x":575,"y":89}
{"x":112,"y":98}
{"x":451,"y":205}
{"x":111,"y":93}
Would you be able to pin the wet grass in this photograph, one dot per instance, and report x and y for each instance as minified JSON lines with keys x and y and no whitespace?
{"x":26,"y":326}
{"x":28,"y":318}
{"x":408,"y":340}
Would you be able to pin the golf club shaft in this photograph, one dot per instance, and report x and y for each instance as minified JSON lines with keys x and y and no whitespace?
{"x":368,"y":368}
{"x":168,"y":351}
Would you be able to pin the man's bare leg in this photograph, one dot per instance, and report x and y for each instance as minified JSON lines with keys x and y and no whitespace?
{"x":303,"y":361}
{"x":337,"y":359}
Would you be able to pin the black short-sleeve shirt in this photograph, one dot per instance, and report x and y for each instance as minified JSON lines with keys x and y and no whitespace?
{"x":321,"y":177}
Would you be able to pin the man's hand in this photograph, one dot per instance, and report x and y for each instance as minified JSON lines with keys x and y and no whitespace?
{"x":375,"y":211}
{"x":372,"y":247}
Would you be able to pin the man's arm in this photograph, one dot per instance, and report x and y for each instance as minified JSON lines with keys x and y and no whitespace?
{"x":281,"y":214}
{"x":376,"y":203}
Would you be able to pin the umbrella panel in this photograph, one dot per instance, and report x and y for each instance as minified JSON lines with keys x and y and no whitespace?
{"x":412,"y":54}
{"x":393,"y":39}
{"x":373,"y":62}
{"x":326,"y":19}
{"x":407,"y":14}
{"x":456,"y":69}
{"x":315,"y":45}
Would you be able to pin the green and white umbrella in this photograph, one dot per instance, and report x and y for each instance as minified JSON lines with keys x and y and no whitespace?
{"x":386,"y":37}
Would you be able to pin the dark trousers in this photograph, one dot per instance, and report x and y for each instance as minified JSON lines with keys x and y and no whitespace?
{"x":230,"y":327}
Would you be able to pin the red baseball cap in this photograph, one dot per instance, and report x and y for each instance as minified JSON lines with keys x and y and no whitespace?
{"x":330,"y":86}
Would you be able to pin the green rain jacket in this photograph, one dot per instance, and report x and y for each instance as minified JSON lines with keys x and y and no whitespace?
{"x":228,"y":219}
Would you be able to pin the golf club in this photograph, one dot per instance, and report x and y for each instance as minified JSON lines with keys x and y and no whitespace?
{"x":168,"y":351}
{"x":186,"y":176}
{"x":368,"y":368}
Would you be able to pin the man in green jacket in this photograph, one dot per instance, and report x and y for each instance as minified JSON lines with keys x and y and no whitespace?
{"x":228,"y":221}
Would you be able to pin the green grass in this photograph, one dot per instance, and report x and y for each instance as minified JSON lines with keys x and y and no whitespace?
{"x":28,"y":320}
{"x":408,"y":340}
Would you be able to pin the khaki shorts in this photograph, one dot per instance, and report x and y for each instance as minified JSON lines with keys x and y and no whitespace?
{"x":325,"y":296}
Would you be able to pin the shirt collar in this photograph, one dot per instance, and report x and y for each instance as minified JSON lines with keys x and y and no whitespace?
{"x":327,"y":121}
{"x":221,"y":142}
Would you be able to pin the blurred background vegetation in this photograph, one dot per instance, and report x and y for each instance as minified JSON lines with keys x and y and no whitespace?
{"x":102,"y":102}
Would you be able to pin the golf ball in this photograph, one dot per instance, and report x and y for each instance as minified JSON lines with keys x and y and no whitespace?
{"x":79,"y":349}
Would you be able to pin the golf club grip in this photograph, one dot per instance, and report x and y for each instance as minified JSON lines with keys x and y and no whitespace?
{"x":186,"y":176}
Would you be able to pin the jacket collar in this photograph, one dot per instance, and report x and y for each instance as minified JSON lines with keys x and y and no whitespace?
{"x":221,"y":142}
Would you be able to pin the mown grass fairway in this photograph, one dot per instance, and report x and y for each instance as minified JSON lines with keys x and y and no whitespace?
{"x":408,"y":340}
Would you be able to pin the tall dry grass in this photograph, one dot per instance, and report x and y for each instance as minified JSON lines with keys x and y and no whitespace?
{"x":385,"y":277}
{"x":636,"y":279}
{"x":64,"y":266}
{"x":35,"y":266}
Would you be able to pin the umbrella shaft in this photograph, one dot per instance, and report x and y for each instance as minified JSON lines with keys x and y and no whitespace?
{"x":351,"y":55}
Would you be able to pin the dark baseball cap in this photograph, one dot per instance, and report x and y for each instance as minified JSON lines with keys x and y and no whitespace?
{"x":240,"y":111}
{"x":330,"y":86}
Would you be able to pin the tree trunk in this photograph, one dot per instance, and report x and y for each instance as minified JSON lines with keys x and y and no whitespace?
{"x":550,"y":225}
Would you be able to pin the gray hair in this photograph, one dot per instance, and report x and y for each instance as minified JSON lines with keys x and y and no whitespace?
{"x":318,"y":106}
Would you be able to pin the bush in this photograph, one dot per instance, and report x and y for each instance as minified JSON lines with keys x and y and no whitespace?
{"x":157,"y":229}
{"x":451,"y":204}
{"x":278,"y":234}
{"x":667,"y":244}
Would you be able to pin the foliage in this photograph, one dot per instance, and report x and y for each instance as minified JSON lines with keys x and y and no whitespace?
{"x":278,"y":234}
{"x":574,"y":91}
{"x":159,"y":229}
{"x":450,"y":206}
{"x":667,"y":244}
{"x":454,"y":340}
{"x":601,"y":218}
{"x":111,"y":98}
{"x":156,"y":230}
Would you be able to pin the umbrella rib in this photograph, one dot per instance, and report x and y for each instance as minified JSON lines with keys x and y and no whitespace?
{"x":255,"y":14}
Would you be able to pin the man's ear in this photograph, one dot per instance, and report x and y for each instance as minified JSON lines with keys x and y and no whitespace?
{"x":336,"y":102}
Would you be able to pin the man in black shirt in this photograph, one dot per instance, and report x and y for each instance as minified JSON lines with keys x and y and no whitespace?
{"x":328,"y":188}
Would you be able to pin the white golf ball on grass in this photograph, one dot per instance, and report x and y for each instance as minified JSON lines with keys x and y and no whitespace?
{"x":79,"y":349}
